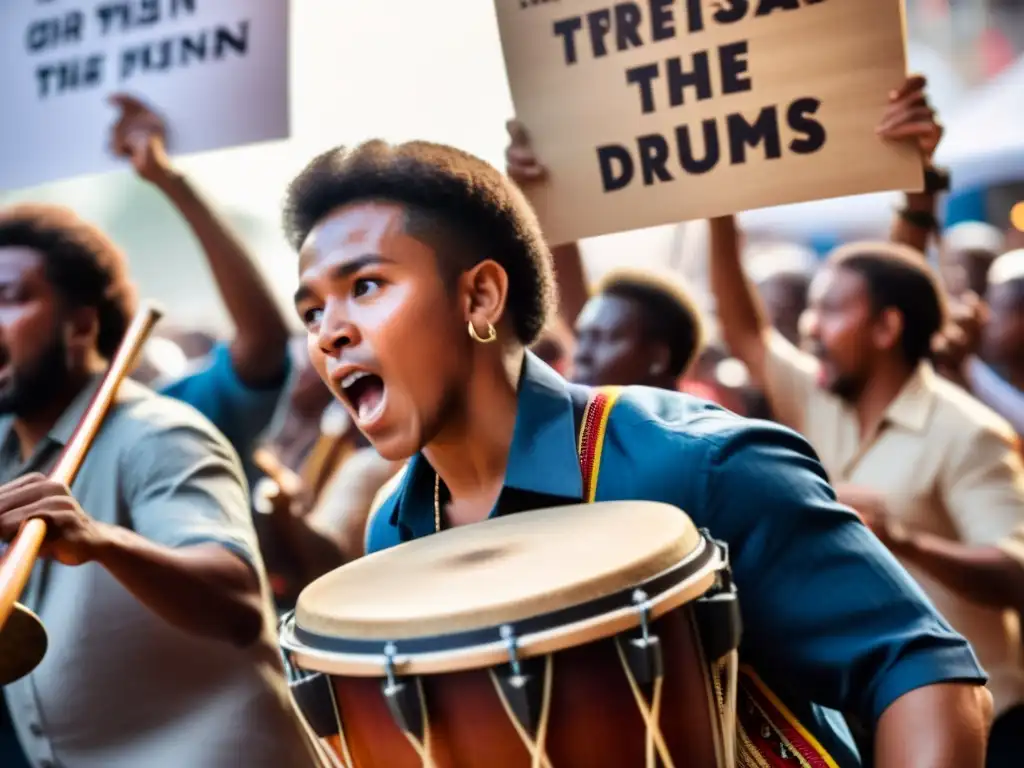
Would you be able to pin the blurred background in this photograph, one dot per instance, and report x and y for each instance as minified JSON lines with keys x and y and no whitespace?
{"x":347,"y":86}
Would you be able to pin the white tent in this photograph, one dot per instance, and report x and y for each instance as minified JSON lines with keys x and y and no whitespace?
{"x":984,"y":142}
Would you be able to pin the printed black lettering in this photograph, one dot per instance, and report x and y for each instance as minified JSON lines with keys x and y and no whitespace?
{"x":743,"y":134}
{"x":662,"y":21}
{"x":179,"y":7}
{"x":679,"y":79}
{"x":616,"y":167}
{"x":712,"y":149}
{"x":800,"y":117}
{"x":600,"y":24}
{"x":653,"y":158}
{"x":695,"y":15}
{"x":627,"y":26}
{"x":225,"y":38}
{"x":149,"y":13}
{"x":76,"y":74}
{"x":644,"y":76}
{"x":733,"y":63}
{"x":567,"y":29}
{"x":731,"y":11}
{"x":768,"y":6}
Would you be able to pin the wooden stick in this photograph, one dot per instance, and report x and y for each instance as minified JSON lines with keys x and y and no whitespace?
{"x":24,"y":550}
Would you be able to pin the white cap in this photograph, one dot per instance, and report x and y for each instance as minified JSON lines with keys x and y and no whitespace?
{"x":973,"y":236}
{"x":1009,"y":266}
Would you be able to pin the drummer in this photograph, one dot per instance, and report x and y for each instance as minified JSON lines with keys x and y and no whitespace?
{"x":424,"y":276}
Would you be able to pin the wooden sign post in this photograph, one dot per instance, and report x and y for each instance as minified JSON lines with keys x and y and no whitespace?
{"x":658,"y":111}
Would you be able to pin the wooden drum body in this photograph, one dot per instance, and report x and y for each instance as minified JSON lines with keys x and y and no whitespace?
{"x":589,"y":636}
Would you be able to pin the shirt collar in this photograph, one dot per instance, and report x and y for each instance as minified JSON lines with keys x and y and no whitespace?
{"x":913,"y":406}
{"x":542,"y":458}
{"x":60,"y":433}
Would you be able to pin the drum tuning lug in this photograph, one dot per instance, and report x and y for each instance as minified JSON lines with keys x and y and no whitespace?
{"x":644,"y":653}
{"x":521,"y":689}
{"x":402,"y":697}
{"x":718,"y":610}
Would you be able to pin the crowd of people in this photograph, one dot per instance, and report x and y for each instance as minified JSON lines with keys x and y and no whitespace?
{"x":866,"y":471}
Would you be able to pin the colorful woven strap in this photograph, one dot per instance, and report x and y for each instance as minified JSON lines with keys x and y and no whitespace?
{"x":591,"y":438}
{"x":769,"y":734}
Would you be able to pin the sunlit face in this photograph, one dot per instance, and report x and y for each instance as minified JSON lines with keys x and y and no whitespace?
{"x":384,"y":333}
{"x":1003,"y":339}
{"x":33,"y":362}
{"x":610,"y":346}
{"x":837,"y":329}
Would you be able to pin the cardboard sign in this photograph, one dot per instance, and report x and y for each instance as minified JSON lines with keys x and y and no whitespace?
{"x":660,"y":111}
{"x":216,"y":69}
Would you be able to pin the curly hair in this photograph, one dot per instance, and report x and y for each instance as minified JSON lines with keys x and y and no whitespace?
{"x":82,"y":264}
{"x":667,"y":311}
{"x":459,"y":205}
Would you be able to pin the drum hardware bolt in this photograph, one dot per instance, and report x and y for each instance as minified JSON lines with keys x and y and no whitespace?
{"x":640,"y":600}
{"x":389,"y":665}
{"x":509,"y":636}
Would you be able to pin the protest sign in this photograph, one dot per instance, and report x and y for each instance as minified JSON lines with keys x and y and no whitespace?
{"x":659,"y":111}
{"x":216,"y":69}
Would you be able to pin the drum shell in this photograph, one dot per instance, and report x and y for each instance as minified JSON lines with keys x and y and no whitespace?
{"x":594,"y":720}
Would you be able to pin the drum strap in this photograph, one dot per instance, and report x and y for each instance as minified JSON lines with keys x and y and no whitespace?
{"x":768,"y":734}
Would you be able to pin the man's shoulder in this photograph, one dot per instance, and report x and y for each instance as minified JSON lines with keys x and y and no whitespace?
{"x":141,"y":415}
{"x":962,"y":416}
{"x":680,"y":449}
{"x":653,"y":423}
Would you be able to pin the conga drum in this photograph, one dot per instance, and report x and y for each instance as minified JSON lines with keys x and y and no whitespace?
{"x":583,"y":636}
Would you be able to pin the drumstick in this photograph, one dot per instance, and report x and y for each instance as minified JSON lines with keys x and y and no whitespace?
{"x":24,"y":549}
{"x":286,"y":479}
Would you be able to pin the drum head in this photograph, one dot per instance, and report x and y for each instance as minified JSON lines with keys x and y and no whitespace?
{"x":499,"y":571}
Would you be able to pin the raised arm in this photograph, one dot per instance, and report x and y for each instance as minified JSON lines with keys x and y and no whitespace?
{"x":523,"y":167}
{"x":259,"y":348}
{"x":742,"y":319}
{"x":910,"y":117}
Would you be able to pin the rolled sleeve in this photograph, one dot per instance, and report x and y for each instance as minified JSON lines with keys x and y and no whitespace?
{"x":984,"y":488}
{"x":829,"y":611}
{"x":241,"y":412}
{"x":184,"y":487}
{"x":791,"y":380}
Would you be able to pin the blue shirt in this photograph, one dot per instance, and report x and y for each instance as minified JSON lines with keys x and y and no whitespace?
{"x":242,"y":413}
{"x":831,"y":621}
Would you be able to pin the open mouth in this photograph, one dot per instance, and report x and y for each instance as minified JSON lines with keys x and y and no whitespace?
{"x":365,"y":393}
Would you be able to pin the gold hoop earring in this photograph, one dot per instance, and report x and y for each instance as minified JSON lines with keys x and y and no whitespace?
{"x":492,"y":334}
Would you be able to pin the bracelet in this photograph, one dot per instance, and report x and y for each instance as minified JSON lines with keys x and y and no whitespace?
{"x":936,"y":180}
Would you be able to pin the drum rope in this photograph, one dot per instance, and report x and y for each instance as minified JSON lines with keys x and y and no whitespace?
{"x":423,"y":748}
{"x":535,"y":747}
{"x":651,"y":714}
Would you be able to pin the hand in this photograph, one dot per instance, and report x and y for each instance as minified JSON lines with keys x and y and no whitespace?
{"x":140,"y":135}
{"x":521,"y":163}
{"x":961,"y":337}
{"x":868,"y":504}
{"x":72,"y":536}
{"x":910,"y":116}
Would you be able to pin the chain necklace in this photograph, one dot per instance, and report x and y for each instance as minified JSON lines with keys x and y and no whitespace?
{"x":437,"y":503}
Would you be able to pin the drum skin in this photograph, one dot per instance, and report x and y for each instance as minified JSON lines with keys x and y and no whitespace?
{"x":594,"y":718}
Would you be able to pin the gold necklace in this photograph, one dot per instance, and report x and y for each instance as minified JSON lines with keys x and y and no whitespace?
{"x":437,"y":503}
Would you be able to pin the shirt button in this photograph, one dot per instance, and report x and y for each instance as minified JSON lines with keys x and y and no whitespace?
{"x":36,"y":729}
